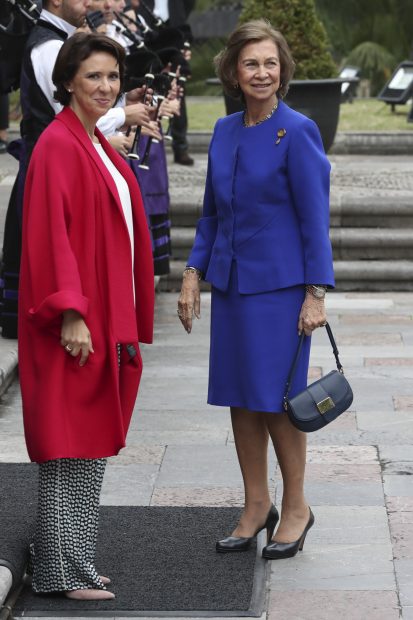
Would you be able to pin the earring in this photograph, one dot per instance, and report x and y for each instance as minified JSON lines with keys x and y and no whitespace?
{"x":69,"y":90}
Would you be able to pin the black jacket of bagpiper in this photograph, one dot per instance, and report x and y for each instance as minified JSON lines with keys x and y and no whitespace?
{"x":37,"y":111}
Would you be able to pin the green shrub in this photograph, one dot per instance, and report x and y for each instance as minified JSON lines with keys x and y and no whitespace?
{"x":375,"y":61}
{"x":305,"y":34}
{"x":202,"y":67}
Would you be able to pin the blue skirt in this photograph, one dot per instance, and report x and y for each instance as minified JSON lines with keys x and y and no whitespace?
{"x":253,"y":342}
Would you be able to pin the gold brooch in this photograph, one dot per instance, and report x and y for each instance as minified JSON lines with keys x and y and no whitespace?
{"x":280,"y":134}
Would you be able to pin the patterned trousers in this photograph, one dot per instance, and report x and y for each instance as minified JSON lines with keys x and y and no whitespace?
{"x":63,"y":550}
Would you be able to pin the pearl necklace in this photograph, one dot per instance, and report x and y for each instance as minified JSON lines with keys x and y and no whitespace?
{"x":262,"y":120}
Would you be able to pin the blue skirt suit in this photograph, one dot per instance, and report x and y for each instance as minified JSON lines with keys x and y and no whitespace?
{"x":262,"y":237}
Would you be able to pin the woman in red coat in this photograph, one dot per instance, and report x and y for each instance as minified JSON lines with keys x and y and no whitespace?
{"x":86,"y":301}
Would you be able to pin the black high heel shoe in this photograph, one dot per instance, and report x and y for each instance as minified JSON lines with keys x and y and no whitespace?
{"x":279,"y":550}
{"x":233,"y":543}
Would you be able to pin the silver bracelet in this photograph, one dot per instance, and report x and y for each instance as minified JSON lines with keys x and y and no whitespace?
{"x":194,"y":270}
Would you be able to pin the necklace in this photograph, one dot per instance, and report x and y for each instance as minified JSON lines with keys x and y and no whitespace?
{"x":261,"y":120}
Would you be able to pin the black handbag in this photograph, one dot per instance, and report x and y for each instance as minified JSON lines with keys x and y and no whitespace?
{"x":322,"y":401}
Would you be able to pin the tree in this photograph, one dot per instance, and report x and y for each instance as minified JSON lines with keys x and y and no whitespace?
{"x":305,"y":34}
{"x":388,"y":23}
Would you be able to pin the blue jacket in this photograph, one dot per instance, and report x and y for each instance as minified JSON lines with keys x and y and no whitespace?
{"x":266,"y":205}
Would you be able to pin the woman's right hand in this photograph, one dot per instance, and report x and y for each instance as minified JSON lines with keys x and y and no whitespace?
{"x":189,"y":303}
{"x":75,"y":336}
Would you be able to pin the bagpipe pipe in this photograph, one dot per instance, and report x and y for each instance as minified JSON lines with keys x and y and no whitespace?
{"x":17,"y":18}
{"x":161,"y":85}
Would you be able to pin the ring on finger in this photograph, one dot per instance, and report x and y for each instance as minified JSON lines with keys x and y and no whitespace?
{"x":68,"y":348}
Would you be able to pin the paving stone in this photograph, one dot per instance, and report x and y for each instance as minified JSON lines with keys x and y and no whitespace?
{"x":372,"y":394}
{"x":340,"y":605}
{"x":148,"y":455}
{"x":189,"y":496}
{"x":407,"y":613}
{"x":395,"y":453}
{"x":398,"y":485}
{"x":404,"y":576}
{"x":314,"y":373}
{"x":388,"y":361}
{"x":401,"y":421}
{"x":336,"y":567}
{"x":128,"y":485}
{"x":369,"y":338}
{"x":337,"y":302}
{"x":346,"y":422}
{"x":334,"y":493}
{"x":215,"y":419}
{"x":349,"y":525}
{"x":403,"y":402}
{"x":316,"y":472}
{"x":13,"y":448}
{"x":400,"y":509}
{"x":179,"y":438}
{"x":399,"y":468}
{"x":401,"y":538}
{"x":170,"y":395}
{"x":342,"y":454}
{"x":376,"y":319}
{"x":210,"y":466}
{"x":407,"y":336}
{"x":389,"y":372}
{"x":332,"y":435}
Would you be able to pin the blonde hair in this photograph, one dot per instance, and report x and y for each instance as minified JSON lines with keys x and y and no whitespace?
{"x":253,"y":31}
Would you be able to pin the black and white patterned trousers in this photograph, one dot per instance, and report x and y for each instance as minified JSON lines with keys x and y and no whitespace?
{"x":63,"y":550}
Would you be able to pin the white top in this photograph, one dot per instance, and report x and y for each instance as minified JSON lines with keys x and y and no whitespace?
{"x":43,"y":59}
{"x":161,"y":9}
{"x":44,"y":56}
{"x":124,"y":195}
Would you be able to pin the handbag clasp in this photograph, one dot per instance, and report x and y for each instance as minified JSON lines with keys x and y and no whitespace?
{"x":325,"y":405}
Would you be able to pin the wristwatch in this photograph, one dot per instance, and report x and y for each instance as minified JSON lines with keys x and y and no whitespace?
{"x":317,"y":290}
{"x":190,"y":269}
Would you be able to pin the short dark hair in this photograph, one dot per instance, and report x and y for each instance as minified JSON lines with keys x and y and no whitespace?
{"x":74,"y":51}
{"x":253,"y":31}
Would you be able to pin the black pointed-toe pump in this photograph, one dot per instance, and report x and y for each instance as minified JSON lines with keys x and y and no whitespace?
{"x":234,"y":543}
{"x":279,"y":550}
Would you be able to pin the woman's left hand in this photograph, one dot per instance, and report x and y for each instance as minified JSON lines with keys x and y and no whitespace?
{"x":75,"y":336}
{"x":312,"y":315}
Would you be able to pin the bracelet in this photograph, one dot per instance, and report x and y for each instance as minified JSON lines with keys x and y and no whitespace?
{"x":193,"y":270}
{"x":316,"y":290}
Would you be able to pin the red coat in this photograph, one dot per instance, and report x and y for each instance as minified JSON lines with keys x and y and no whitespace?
{"x":76,"y":254}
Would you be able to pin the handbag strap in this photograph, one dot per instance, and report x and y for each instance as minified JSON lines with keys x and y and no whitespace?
{"x":297,"y":357}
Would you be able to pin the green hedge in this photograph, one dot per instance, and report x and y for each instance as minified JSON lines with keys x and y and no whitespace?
{"x":305,"y":34}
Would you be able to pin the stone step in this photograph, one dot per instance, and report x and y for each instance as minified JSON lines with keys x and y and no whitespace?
{"x":358,"y":275}
{"x":348,"y":243}
{"x":345,"y":143}
{"x":346,"y":210}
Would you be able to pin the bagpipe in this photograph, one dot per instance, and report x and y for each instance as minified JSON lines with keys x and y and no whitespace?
{"x":149,"y":50}
{"x":155,"y":57}
{"x":17,"y":18}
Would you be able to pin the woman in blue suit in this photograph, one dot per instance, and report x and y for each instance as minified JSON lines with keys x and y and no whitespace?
{"x":263,"y":244}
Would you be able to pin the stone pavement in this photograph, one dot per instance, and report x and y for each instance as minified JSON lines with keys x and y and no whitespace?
{"x":358,"y":560}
